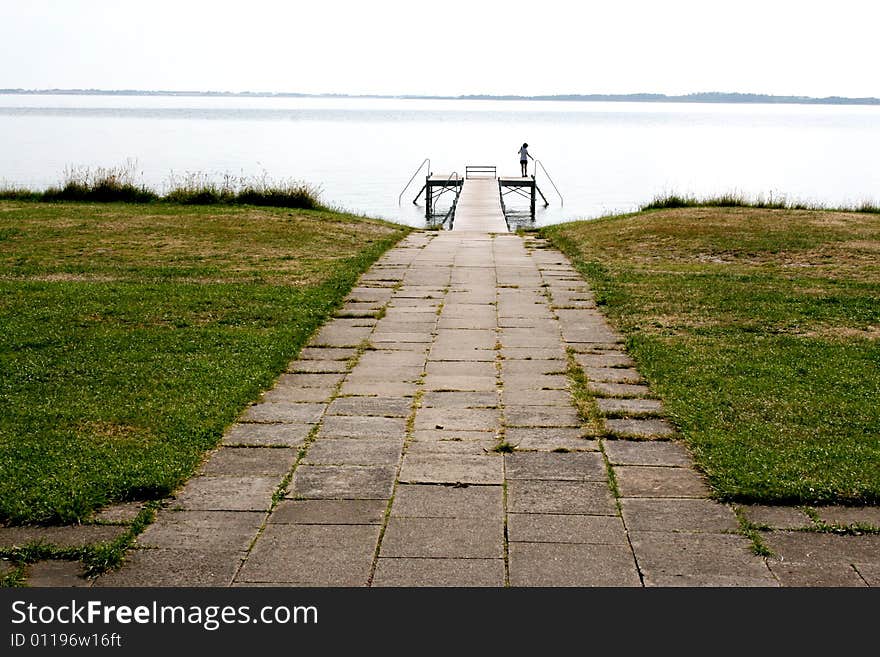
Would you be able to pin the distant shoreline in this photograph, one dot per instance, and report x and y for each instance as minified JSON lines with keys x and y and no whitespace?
{"x":705,"y":97}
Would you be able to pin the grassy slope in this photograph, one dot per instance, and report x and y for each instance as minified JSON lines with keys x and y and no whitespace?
{"x":132,"y":335}
{"x":761,"y":331}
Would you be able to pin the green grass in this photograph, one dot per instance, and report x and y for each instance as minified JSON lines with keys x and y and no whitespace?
{"x":760,"y":329}
{"x":134,"y":334}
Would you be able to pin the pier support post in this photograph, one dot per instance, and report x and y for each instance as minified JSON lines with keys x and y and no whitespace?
{"x":429,"y":198}
{"x":532,"y":189}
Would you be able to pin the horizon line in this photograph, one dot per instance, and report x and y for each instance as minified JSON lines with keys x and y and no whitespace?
{"x":702,"y":96}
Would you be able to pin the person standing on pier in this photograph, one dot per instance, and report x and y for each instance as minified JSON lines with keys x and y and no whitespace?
{"x":524,"y":159}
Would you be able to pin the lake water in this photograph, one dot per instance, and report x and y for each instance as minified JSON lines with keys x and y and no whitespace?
{"x":604,"y":157}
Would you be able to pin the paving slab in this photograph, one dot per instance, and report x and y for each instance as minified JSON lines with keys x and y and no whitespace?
{"x":409,"y":319}
{"x":250,"y":461}
{"x":639,"y":428}
{"x":816,"y":574}
{"x":266,"y":435}
{"x":542,"y":416}
{"x":463,"y":538}
{"x":521,"y":398}
{"x":436,"y":383}
{"x":385,"y":374}
{"x":460,"y":369}
{"x":560,"y":497}
{"x":572,"y":565}
{"x":533,"y":367}
{"x":383,"y":340}
{"x":438,"y":501}
{"x":56,"y":574}
{"x":574,"y":466}
{"x":528,"y":353}
{"x":625,"y":452}
{"x":341,"y":336}
{"x":202,"y":530}
{"x":362,"y":426}
{"x":677,"y":515}
{"x":777,"y":517}
{"x":461,"y":419}
{"x":227,"y":493}
{"x":312,"y":555}
{"x":846,"y":516}
{"x":447,"y":353}
{"x":174,"y":568}
{"x":654,"y":481}
{"x":556,"y":528}
{"x":452,"y":469}
{"x":619,"y":389}
{"x":382,"y":358}
{"x":284,"y":412}
{"x":605,"y":359}
{"x":452,"y":435}
{"x":615,"y":406}
{"x":439,"y":572}
{"x":318,"y":366}
{"x":378,"y":389}
{"x":457,"y":399}
{"x":484,"y":322}
{"x":538,"y":382}
{"x":327,"y":353}
{"x":460,"y":447}
{"x":289,"y":393}
{"x":63,"y":536}
{"x":355,"y":482}
{"x":613,"y":374}
{"x":359,"y":309}
{"x":371,"y":406}
{"x":329,"y":512}
{"x":870,"y":572}
{"x":810,"y":547}
{"x":550,"y":439}
{"x":309,"y":380}
{"x":698,"y":559}
{"x":354,"y":451}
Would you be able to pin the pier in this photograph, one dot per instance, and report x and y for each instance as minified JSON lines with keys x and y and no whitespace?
{"x":477,"y":198}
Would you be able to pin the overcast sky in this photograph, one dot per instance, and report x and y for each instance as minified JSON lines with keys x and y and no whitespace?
{"x":450,"y":47}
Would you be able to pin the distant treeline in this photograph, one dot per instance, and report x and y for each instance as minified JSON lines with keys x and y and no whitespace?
{"x":703,"y":97}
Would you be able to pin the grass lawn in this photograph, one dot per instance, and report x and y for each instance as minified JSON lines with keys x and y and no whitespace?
{"x":132,"y":335}
{"x":760,"y":329}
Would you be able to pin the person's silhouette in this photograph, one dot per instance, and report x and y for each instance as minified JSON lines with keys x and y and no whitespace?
{"x":524,"y":159}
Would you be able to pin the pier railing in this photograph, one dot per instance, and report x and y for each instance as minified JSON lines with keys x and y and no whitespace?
{"x":539,"y":164}
{"x":477,"y":168}
{"x":427,"y":161}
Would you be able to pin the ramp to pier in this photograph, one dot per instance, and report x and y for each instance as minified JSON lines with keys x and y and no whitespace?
{"x":479,"y":207}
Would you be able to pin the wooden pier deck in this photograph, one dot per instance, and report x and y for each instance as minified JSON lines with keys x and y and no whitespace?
{"x":479,"y":207}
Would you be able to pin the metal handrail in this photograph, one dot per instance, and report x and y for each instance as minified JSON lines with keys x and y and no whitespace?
{"x":480,"y":168}
{"x":446,"y":187}
{"x":452,"y":176}
{"x":539,"y":163}
{"x":428,"y":160}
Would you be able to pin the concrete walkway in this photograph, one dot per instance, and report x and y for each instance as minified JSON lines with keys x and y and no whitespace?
{"x":374,"y":460}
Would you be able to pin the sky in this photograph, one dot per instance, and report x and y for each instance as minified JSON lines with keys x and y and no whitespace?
{"x":446,"y":47}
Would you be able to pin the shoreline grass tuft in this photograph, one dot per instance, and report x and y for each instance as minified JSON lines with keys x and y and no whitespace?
{"x":120,"y":184}
{"x":739,"y":200}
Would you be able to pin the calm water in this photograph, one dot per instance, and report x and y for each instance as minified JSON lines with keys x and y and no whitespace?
{"x":603,"y":157}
